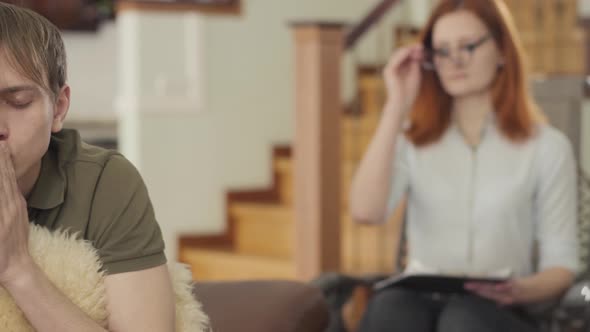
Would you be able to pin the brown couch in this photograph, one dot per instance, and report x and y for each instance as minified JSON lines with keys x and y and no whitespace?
{"x":263,"y":306}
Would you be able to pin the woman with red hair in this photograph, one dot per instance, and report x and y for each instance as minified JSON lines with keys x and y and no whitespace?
{"x":490,"y":186}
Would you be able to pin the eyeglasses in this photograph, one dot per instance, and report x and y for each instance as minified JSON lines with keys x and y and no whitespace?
{"x":435,"y":58}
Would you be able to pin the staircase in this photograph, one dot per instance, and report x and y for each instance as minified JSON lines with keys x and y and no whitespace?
{"x":259,"y":241}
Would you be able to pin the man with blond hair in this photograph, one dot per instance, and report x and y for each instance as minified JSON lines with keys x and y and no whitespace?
{"x":50,"y":178}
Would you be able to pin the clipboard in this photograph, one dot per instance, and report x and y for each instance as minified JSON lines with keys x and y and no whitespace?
{"x":433,"y":283}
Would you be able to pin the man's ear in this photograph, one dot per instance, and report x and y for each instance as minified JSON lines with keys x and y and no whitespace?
{"x":60,"y":109}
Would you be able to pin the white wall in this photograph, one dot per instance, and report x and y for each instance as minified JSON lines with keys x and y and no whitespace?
{"x":584,"y":7}
{"x":190,"y":156}
{"x":92,"y":57}
{"x":248,"y":70}
{"x":92,"y":72}
{"x":251,"y":55}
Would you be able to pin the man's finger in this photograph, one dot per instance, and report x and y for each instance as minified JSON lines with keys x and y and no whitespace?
{"x":7,"y":173}
{"x":4,"y":157}
{"x":5,"y":192}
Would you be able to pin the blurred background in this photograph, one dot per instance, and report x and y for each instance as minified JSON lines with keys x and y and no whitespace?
{"x":211,"y":99}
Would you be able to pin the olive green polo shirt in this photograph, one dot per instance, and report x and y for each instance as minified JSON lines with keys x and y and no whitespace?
{"x":98,"y":194}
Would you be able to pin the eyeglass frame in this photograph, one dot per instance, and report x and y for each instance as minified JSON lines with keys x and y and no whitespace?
{"x":469,"y":47}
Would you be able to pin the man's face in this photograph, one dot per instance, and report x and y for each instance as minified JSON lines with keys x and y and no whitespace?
{"x":28,"y":115}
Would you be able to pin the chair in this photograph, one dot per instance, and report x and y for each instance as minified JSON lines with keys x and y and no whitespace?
{"x":570,"y":315}
{"x":573,"y":313}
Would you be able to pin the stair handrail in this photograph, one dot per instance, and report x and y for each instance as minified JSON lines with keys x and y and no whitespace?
{"x":372,"y":18}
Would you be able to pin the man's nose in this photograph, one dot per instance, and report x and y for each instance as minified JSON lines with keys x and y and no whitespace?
{"x":3,"y":134}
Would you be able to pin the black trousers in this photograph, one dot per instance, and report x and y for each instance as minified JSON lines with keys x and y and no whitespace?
{"x":395,"y":309}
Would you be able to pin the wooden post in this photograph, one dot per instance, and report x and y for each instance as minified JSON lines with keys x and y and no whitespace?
{"x":587,"y":57}
{"x":585,"y":23}
{"x":205,"y":7}
{"x":318,"y":53}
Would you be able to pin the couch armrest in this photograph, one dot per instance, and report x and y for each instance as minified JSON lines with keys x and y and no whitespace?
{"x":263,"y":306}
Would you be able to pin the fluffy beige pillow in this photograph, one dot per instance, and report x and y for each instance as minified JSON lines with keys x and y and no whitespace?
{"x":72,"y":265}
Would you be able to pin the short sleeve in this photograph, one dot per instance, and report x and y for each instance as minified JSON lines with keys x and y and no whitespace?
{"x":556,"y":203}
{"x":400,"y":178}
{"x":122,"y":224}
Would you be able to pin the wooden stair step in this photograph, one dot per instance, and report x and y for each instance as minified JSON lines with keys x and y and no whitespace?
{"x":365,"y":123}
{"x":208,"y":264}
{"x":263,"y":243}
{"x":284,"y":166}
{"x":263,"y":229}
{"x":356,"y":133}
{"x":354,"y":147}
{"x":372,"y":94}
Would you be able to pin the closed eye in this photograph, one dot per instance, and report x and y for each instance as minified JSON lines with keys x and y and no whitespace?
{"x":21,"y":105}
{"x":17,"y":104}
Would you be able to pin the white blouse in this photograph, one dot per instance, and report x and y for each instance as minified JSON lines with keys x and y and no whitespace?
{"x":500,"y":206}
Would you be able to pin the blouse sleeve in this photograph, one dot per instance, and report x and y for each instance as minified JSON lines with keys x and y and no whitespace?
{"x":556,"y":203}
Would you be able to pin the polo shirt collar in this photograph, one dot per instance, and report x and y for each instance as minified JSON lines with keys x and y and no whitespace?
{"x":49,"y":190}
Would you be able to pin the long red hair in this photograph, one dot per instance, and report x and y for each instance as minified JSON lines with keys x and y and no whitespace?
{"x":516,"y":112}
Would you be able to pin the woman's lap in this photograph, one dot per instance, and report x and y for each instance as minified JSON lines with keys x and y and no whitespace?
{"x":400,"y":309}
{"x":471,"y":313}
{"x":405,"y":310}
